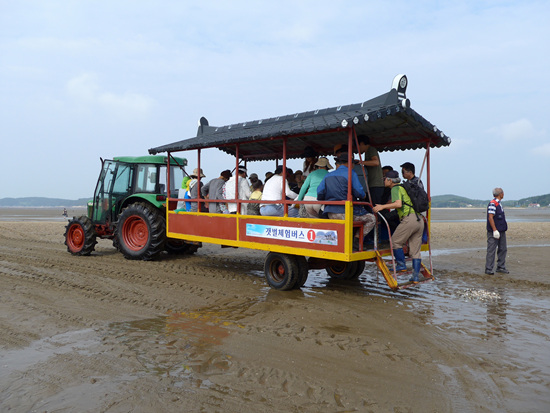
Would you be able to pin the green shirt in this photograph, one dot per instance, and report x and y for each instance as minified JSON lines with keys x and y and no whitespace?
{"x":375,"y":177}
{"x":398,"y":192}
{"x":311,"y":183}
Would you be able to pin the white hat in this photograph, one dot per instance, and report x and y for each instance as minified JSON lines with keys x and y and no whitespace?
{"x":196,"y":173}
{"x":323,"y":162}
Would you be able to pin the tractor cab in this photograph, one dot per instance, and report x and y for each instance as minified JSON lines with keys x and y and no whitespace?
{"x":128,"y":207}
{"x":125,"y":179}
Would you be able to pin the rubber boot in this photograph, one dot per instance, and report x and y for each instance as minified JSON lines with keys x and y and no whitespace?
{"x":399,"y":260}
{"x":416,"y":270}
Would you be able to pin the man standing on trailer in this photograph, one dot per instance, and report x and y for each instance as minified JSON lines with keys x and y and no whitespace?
{"x":496,"y":234}
{"x":410,"y":228}
{"x":408,"y":170}
{"x":372,"y":163}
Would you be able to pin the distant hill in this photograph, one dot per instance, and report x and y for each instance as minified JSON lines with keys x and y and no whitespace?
{"x":455,"y":201}
{"x":42,"y":202}
{"x":543,"y":200}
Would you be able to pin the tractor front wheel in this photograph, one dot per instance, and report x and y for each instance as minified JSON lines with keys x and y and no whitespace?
{"x":140,"y":232}
{"x":80,"y":236}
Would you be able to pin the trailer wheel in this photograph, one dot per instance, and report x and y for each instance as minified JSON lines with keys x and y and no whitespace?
{"x":140,"y":232}
{"x":303,"y":268}
{"x":346,"y":270}
{"x":281,"y":271}
{"x":80,"y":236}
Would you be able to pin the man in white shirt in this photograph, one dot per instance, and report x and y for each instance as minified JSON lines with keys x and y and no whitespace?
{"x":243,"y":191}
{"x":273,"y":191}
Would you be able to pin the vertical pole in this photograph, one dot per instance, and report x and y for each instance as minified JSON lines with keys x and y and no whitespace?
{"x":168,"y":180}
{"x":237,"y":179}
{"x":362,"y":166}
{"x":429,"y":214}
{"x":285,"y":206}
{"x":349,"y":205}
{"x":428,"y":180}
{"x":350,"y":161}
{"x":199,"y":180}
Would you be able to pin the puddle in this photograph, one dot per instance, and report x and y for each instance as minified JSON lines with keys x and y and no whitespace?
{"x":448,"y":251}
{"x":184,"y":346}
{"x":181,"y":345}
{"x":41,"y":350}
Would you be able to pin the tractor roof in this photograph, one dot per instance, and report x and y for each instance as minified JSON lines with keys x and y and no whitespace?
{"x":149,"y":159}
{"x":387,"y":119}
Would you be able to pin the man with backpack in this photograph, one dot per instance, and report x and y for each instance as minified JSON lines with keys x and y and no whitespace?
{"x":410,"y":228}
{"x":408,"y":170}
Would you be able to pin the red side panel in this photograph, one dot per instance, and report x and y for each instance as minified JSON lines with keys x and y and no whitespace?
{"x":204,"y":226}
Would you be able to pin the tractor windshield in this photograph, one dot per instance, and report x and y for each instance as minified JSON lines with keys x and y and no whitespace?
{"x":146,"y":179}
{"x":176,"y":176}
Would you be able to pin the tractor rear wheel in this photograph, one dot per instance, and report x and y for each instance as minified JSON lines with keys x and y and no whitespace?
{"x":346,"y":270}
{"x":140,"y":232}
{"x":80,"y":236}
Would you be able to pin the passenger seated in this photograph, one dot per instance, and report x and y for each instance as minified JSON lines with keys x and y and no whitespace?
{"x":309,"y":188}
{"x":273,"y":191}
{"x":214,"y":190}
{"x":311,"y":158}
{"x":194,"y":192}
{"x":183,"y":194}
{"x":257,"y":187}
{"x":334,"y":187}
{"x":243,"y":191}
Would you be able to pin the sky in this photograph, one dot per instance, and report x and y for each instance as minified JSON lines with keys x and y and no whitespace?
{"x":84,"y":80}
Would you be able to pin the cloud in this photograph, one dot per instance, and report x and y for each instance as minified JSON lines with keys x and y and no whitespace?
{"x":518,"y":130}
{"x":85,"y":88}
{"x":542,"y":150}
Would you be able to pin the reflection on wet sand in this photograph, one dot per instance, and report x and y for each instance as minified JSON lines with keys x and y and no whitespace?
{"x":179,"y":345}
{"x":496,"y":315}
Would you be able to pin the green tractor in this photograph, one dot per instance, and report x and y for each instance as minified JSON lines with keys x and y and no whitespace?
{"x":129,"y":207}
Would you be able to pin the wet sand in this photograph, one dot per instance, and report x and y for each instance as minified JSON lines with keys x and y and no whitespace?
{"x":205,"y":333}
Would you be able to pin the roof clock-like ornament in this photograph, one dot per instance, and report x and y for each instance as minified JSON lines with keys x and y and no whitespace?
{"x":400,"y":84}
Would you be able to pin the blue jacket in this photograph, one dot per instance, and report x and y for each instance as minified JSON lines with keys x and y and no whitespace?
{"x":334,"y":187}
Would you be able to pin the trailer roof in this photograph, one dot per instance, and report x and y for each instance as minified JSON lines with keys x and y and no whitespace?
{"x":387,"y":119}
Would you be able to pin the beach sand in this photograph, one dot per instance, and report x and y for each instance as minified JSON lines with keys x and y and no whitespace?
{"x":205,"y":332}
